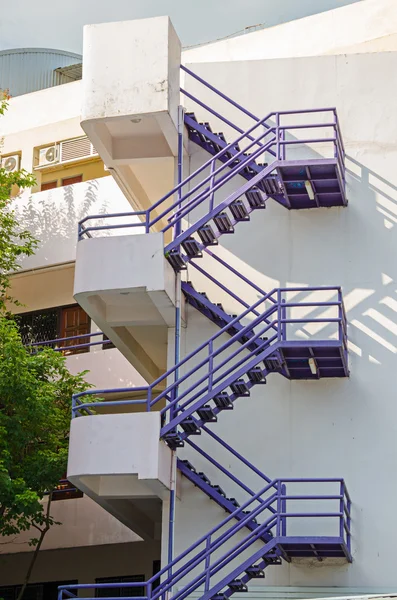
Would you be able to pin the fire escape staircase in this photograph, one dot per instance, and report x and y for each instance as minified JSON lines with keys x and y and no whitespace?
{"x":253,"y":535}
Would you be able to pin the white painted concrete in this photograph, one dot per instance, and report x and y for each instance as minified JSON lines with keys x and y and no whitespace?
{"x":126,"y":446}
{"x":52,"y":217}
{"x":119,"y":461}
{"x":82,"y":523}
{"x":83,"y":564}
{"x":134,"y":304}
{"x":368,"y":26}
{"x":130,"y":103}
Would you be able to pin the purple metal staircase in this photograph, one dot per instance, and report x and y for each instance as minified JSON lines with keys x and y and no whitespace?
{"x":265,"y":161}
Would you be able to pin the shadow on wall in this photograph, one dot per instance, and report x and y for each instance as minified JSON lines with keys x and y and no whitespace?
{"x":353,"y":247}
{"x":52,"y":217}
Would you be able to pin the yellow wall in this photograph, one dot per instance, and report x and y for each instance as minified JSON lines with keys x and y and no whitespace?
{"x":92,"y":169}
{"x":42,"y":289}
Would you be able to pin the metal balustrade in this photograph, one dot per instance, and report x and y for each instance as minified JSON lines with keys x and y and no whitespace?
{"x":287,"y":331}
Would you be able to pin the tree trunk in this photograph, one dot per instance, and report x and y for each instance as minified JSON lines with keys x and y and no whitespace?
{"x":36,"y":550}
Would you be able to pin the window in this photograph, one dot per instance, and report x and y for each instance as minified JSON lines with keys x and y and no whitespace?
{"x":72,"y":180}
{"x":54,"y":323}
{"x":121,"y":592}
{"x":49,"y":185}
{"x":38,"y":326}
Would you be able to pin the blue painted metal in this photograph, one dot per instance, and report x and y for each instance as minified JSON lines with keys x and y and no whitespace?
{"x":219,"y":372}
{"x":60,"y":344}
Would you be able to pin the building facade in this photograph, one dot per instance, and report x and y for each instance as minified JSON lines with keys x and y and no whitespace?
{"x":237,"y":268}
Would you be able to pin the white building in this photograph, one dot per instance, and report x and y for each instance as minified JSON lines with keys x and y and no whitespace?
{"x":302,"y":296}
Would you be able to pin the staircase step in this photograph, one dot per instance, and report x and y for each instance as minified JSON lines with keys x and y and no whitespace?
{"x":223,"y":223}
{"x":255,"y":572}
{"x":219,"y":597}
{"x":206,"y":414}
{"x":223,"y":402}
{"x":204,"y":477}
{"x":240,"y":388}
{"x":189,"y":425}
{"x":173,"y":440}
{"x":255,"y":198}
{"x":192,"y":248}
{"x":255,"y":375}
{"x":207,"y":235}
{"x":248,"y":512}
{"x":237,"y":585}
{"x":189,"y":465}
{"x":176,"y":260}
{"x":218,"y":489}
{"x":272,"y":364}
{"x":234,"y":502}
{"x":238,"y":210}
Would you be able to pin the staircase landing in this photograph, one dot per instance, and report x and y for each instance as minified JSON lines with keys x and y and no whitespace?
{"x":314,"y":360}
{"x":316,"y":183}
{"x":313,"y":547}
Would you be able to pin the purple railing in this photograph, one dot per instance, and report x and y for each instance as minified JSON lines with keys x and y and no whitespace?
{"x":62,"y":344}
{"x":247,"y":465}
{"x":274,"y":137}
{"x":221,"y":547}
{"x":215,"y":364}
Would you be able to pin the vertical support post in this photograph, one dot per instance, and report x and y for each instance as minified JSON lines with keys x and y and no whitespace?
{"x":278,"y":136}
{"x":73,"y":406}
{"x":177,"y":342}
{"x":212,"y":183}
{"x":178,"y":224}
{"x":149,"y":399}
{"x":284,"y":510}
{"x":335,"y":134}
{"x":207,"y":565}
{"x":148,"y":590}
{"x":284,"y":318}
{"x":210,"y":364}
{"x":279,"y":315}
{"x":342,"y":511}
{"x":279,"y":509}
{"x":340,"y":316}
{"x":348,"y":522}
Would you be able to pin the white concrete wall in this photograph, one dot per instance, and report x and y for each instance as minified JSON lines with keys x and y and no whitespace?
{"x":52,"y":217}
{"x":335,"y":427}
{"x":82,"y":523}
{"x":367,"y":26}
{"x":83,"y":564}
{"x":41,"y":118}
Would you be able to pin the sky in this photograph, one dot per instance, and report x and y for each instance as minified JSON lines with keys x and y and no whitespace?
{"x":59,"y":23}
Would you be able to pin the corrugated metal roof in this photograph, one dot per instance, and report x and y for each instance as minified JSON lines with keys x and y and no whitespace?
{"x":24,"y":70}
{"x":71,"y":73}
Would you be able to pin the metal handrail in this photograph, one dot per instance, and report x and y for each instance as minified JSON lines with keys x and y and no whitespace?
{"x":179,"y":209}
{"x":46,"y":343}
{"x":207,"y":546}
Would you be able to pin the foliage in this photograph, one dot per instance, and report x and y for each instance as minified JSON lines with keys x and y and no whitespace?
{"x":35,"y":399}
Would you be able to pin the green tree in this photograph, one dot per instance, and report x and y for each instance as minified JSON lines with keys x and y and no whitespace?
{"x":35,"y":401}
{"x":35,"y":396}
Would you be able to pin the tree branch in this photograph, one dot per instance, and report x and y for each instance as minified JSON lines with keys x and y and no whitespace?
{"x":37,"y":549}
